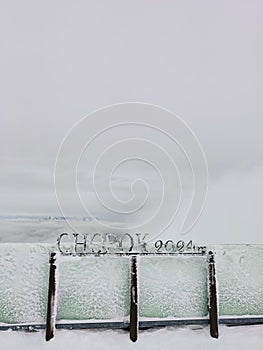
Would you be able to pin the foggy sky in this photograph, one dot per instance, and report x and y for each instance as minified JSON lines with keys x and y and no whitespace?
{"x":202,"y":60}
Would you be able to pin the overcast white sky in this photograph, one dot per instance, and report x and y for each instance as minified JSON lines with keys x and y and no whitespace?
{"x":202,"y":60}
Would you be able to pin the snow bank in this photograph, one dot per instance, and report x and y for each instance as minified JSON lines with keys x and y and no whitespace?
{"x":241,"y":338}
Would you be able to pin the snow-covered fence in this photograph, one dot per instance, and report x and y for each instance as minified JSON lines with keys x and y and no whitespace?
{"x":98,"y":290}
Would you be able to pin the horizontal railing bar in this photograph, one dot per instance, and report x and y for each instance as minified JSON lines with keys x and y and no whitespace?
{"x":134,"y":253}
{"x":229,"y":321}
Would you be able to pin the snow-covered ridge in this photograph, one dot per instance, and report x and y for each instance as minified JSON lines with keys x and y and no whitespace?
{"x":46,"y":218}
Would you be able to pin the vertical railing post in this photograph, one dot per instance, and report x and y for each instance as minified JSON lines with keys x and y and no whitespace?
{"x":212,"y":296}
{"x":52,"y":298}
{"x":134,"y":321}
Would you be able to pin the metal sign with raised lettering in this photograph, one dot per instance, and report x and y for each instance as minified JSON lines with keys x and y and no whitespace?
{"x":109,"y":243}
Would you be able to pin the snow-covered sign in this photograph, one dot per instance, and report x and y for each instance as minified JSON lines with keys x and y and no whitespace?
{"x":127,"y":245}
{"x":99,"y":243}
{"x":99,"y":290}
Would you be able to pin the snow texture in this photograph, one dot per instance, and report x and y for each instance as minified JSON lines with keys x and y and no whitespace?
{"x":240,"y":279}
{"x":24,"y":282}
{"x":173,"y":286}
{"x":93,"y":288}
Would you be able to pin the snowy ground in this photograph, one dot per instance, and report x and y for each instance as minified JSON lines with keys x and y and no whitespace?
{"x":242,"y":338}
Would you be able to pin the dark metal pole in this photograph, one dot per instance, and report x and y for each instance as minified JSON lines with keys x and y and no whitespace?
{"x":213,"y":312}
{"x":134,"y":322}
{"x":51,"y":306}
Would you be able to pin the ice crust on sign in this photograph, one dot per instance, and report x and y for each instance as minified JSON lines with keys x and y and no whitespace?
{"x":173,"y":286}
{"x":93,"y":288}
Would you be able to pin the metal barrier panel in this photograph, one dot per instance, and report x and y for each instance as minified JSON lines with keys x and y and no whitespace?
{"x":240,"y":279}
{"x":98,"y":287}
{"x":24,"y":273}
{"x":93,"y":288}
{"x":173,"y":286}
